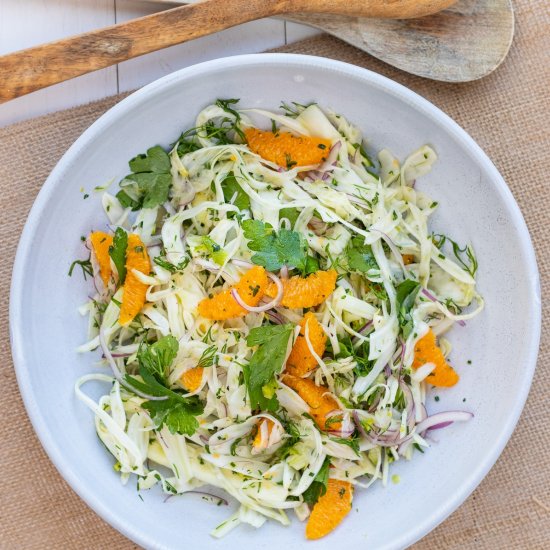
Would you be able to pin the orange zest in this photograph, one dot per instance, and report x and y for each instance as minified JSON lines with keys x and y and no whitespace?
{"x":319,"y":401}
{"x":191,"y":379}
{"x":331,"y":508}
{"x":286,"y":149}
{"x":426,"y":350}
{"x":134,"y":291}
{"x":101,"y":242}
{"x":251,"y":289}
{"x":258,"y":437}
{"x":301,"y":361}
{"x":299,"y":292}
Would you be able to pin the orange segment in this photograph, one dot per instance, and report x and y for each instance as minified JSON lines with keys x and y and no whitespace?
{"x":251,"y":289}
{"x":286,"y":149}
{"x":133,"y":297}
{"x":301,"y":361}
{"x":258,"y":437}
{"x":192,"y":379}
{"x":330,"y":509}
{"x":101,"y":242}
{"x":305,"y":291}
{"x":427,"y":351}
{"x":320,"y":403}
{"x":408,"y":259}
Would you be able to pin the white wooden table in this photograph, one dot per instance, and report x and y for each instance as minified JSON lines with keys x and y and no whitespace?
{"x":25,"y":23}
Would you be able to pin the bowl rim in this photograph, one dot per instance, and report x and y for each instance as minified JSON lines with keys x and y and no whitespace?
{"x":23,"y":369}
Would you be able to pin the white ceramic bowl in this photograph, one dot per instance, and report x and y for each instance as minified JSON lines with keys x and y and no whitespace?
{"x":476,"y":206}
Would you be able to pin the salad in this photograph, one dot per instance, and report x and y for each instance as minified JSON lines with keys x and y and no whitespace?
{"x":272,"y":305}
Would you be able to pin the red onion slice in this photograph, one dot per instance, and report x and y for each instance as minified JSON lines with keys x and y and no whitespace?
{"x":429,"y":295}
{"x":270,"y":305}
{"x":440,"y":420}
{"x":242,"y":263}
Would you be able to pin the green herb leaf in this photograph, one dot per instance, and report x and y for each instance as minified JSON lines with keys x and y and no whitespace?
{"x":157,"y":358}
{"x":151,"y":179}
{"x":117,"y":251}
{"x":231,"y":188}
{"x":177,"y":413}
{"x":266,"y":363}
{"x":319,"y":486}
{"x":360,"y":256}
{"x":275,"y":249}
{"x":291,"y":214}
{"x":208,"y":357}
{"x":163,"y":262}
{"x":85,"y":265}
{"x":405,"y":298}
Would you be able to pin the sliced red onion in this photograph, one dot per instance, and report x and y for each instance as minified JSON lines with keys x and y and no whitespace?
{"x":409,"y":404}
{"x":317,"y":226}
{"x":270,"y":305}
{"x":353,"y":199}
{"x":461,"y":322}
{"x":275,"y":317}
{"x":367,"y":325}
{"x":429,"y":295}
{"x":358,"y":423}
{"x":283,"y":273}
{"x":440,"y":420}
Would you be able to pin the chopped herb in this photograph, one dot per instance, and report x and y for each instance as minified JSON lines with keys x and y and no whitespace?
{"x":360,"y":256}
{"x":274,"y":249}
{"x":86,"y":267}
{"x":266,"y":363}
{"x":232,"y":191}
{"x":405,"y":298}
{"x":319,"y":485}
{"x":117,"y":252}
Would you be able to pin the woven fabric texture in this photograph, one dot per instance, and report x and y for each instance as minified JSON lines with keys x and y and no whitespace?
{"x":507,"y":113}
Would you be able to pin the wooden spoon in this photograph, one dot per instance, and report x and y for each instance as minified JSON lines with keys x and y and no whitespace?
{"x":35,"y":68}
{"x":464,"y":42}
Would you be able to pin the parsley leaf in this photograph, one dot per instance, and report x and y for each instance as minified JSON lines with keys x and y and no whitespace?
{"x":151,"y":180}
{"x":176,"y":412}
{"x":117,"y":251}
{"x":275,"y":248}
{"x":231,"y":188}
{"x":405,"y":298}
{"x":156,"y":358}
{"x":360,"y":256}
{"x":319,"y":486}
{"x":266,"y":363}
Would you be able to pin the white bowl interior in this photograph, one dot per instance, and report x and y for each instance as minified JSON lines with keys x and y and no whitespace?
{"x":475,"y":206}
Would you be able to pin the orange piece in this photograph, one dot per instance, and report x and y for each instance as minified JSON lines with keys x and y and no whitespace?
{"x":251,"y":289}
{"x":286,"y":149}
{"x":301,"y":361}
{"x":192,"y":379}
{"x":320,"y":402}
{"x":101,"y":242}
{"x":408,"y":259}
{"x":305,"y":291}
{"x":258,"y":437}
{"x":133,"y":297}
{"x":331,"y":508}
{"x":427,"y":351}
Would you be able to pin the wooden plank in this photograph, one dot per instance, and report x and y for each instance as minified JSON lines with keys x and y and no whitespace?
{"x":31,"y":22}
{"x":248,"y":38}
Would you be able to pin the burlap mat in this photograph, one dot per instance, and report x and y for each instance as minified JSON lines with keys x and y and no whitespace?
{"x":507,"y":113}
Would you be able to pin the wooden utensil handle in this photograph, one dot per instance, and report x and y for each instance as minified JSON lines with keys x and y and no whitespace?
{"x":41,"y":66}
{"x":35,"y":68}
